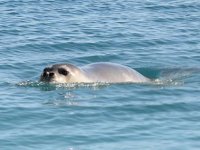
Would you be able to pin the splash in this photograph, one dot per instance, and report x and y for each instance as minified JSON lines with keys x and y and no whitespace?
{"x":162,"y":77}
{"x":53,"y":86}
{"x":167,"y":82}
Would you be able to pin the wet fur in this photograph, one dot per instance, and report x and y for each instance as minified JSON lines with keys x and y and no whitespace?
{"x":96,"y":72}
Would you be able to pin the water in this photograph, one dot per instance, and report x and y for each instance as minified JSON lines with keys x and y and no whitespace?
{"x":160,"y":39}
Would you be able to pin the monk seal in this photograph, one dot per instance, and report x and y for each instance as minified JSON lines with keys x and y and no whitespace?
{"x":95,"y":72}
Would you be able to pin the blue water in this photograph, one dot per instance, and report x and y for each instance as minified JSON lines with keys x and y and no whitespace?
{"x":160,"y":39}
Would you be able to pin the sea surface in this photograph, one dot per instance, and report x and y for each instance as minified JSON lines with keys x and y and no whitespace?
{"x":160,"y":39}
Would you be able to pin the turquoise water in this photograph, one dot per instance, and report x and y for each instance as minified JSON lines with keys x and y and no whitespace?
{"x":160,"y":39}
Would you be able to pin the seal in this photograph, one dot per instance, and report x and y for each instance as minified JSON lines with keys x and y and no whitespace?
{"x":95,"y":72}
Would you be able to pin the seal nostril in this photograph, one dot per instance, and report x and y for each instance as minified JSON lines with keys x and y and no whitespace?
{"x":51,"y":74}
{"x":44,"y":74}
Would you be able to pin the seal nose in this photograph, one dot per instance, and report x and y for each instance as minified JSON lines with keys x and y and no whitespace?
{"x":47,"y":74}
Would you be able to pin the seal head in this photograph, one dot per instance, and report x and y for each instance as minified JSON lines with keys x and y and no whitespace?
{"x":62,"y":73}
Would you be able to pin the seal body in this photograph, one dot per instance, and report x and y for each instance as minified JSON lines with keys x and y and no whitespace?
{"x":95,"y":72}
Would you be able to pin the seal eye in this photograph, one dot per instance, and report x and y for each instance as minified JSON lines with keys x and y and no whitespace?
{"x":63,"y":71}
